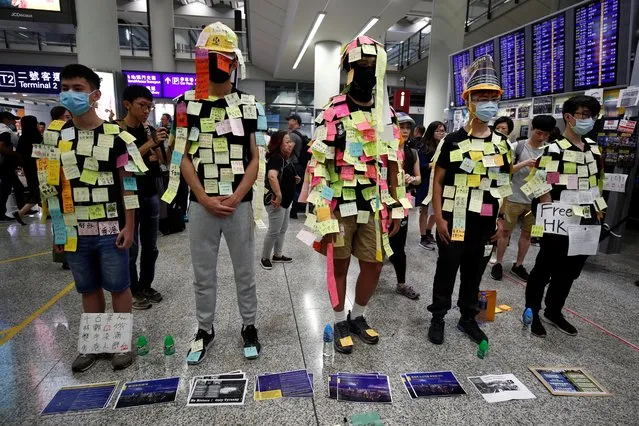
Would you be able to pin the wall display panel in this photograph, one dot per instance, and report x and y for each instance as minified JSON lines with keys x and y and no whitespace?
{"x":549,"y":55}
{"x":461,"y":62}
{"x":487,"y":48}
{"x":512,"y":66}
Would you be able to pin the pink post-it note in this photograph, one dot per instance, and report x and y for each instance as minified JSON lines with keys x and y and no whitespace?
{"x":371,"y":171}
{"x":369,"y":135}
{"x":122,"y":160}
{"x":316,"y":181}
{"x":364,"y":125}
{"x":552,"y":177}
{"x":396,"y":132}
{"x":330,"y":276}
{"x":329,"y":114}
{"x":383,"y":184}
{"x":384,"y":224}
{"x":400,"y":154}
{"x":351,"y":45}
{"x":486,"y":210}
{"x":331,"y":128}
{"x":384,"y":213}
{"x":347,"y":173}
{"x":339,"y":98}
{"x":341,"y":110}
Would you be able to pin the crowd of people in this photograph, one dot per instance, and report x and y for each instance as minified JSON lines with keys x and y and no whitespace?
{"x":105,"y":183}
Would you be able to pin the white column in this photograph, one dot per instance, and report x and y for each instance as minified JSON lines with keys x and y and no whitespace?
{"x":97,"y":35}
{"x":446,"y":37}
{"x":326,"y":71}
{"x":162,"y":44}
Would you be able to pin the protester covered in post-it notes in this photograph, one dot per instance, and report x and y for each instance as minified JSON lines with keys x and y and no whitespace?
{"x":471,"y":177}
{"x":85,"y":162}
{"x":355,"y":174}
{"x":215,"y":148}
{"x":571,"y":179}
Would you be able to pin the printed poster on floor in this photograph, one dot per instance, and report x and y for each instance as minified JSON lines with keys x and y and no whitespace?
{"x":148,"y":392}
{"x":432,"y":384}
{"x":568,"y":381}
{"x":217,"y":392}
{"x":365,"y":388}
{"x":500,"y":387}
{"x":75,"y":399}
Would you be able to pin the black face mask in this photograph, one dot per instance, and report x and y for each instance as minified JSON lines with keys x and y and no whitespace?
{"x":216,"y":75}
{"x":363,"y":82}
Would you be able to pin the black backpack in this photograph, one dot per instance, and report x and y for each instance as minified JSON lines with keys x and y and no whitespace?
{"x":305,"y":156}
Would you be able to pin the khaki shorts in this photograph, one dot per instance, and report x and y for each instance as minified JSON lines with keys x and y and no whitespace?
{"x":516,"y":211}
{"x":359,"y":239}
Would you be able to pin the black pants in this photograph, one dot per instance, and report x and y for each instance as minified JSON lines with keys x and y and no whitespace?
{"x":145,"y":237}
{"x":468,"y":257}
{"x":398,"y":244}
{"x":554,"y":267}
{"x":9,"y":180}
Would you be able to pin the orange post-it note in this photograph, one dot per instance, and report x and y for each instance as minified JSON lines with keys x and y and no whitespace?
{"x":497,"y":310}
{"x":223,"y":63}
{"x":323,"y":213}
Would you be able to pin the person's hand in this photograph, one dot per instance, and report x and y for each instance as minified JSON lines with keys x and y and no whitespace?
{"x":125,"y":239}
{"x":297,"y":179}
{"x":277,"y":201}
{"x":153,"y":158}
{"x":408,"y":179}
{"x":394,"y":227}
{"x":59,"y":248}
{"x":217,"y":205}
{"x":498,"y":232}
{"x":530,"y":162}
{"x":160,"y":135}
{"x":442,"y":229}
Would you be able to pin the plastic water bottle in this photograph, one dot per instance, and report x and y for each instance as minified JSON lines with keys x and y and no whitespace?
{"x":483,"y":306}
{"x":328,"y":345}
{"x":169,"y":352}
{"x":527,"y":319}
{"x":482,"y":349}
{"x":143,"y":351}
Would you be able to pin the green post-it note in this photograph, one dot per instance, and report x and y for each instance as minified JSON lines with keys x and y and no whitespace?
{"x":456,"y":155}
{"x":370,"y":418}
{"x":251,"y":352}
{"x":537,"y":231}
{"x":570,"y":168}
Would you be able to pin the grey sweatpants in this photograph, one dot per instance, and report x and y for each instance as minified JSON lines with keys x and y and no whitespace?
{"x":205,"y":235}
{"x":277,"y":226}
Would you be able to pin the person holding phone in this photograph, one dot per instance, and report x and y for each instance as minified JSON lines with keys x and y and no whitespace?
{"x":281,"y":180}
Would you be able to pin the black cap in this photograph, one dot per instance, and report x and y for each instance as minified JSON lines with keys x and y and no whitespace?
{"x":6,"y":114}
{"x":295,"y":117}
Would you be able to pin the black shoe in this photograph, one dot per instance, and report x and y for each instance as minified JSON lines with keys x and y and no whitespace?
{"x":266,"y":264}
{"x":140,"y":302}
{"x":537,"y":328}
{"x":292,"y":215}
{"x":16,"y":216}
{"x":282,"y":259}
{"x":470,"y":327}
{"x":342,"y":340}
{"x":560,"y":322}
{"x":198,"y":356}
{"x":497,"y":272}
{"x":66,"y":266}
{"x":520,"y":271}
{"x":436,"y":331}
{"x":4,"y":218}
{"x":31,"y":212}
{"x":252,"y":345}
{"x":153,"y":295}
{"x":360,"y":327}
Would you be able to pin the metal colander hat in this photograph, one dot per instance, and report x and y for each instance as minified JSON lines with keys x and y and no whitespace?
{"x":482,"y":76}
{"x":217,"y":37}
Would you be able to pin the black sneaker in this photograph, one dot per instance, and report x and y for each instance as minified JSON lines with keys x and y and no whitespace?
{"x":342,"y":340}
{"x":360,"y":327}
{"x":83,"y":362}
{"x":471,"y":328}
{"x":194,"y":358}
{"x":282,"y":259}
{"x":560,"y":322}
{"x":16,"y":216}
{"x":520,"y":271}
{"x":497,"y":272}
{"x":140,"y":302}
{"x":65,"y":266}
{"x":252,"y":345}
{"x":537,"y":328}
{"x":153,"y":295}
{"x":436,"y":331}
{"x":428,"y":242}
{"x":266,"y":264}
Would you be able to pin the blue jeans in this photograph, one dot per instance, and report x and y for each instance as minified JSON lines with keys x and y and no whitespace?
{"x":98,"y":263}
{"x":145,"y":234}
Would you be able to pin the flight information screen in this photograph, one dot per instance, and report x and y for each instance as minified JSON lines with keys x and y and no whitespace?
{"x":484,"y":49}
{"x":461,"y":62}
{"x":513,"y":74}
{"x":548,"y":45}
{"x":596,"y":39}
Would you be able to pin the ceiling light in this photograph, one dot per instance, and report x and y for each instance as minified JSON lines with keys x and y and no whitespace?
{"x":22,"y":28}
{"x":309,"y":38}
{"x":368,"y":26}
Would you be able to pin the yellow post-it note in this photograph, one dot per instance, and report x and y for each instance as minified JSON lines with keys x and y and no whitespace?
{"x":131,"y":202}
{"x":570,"y":167}
{"x":56,"y":125}
{"x":449,"y":205}
{"x":111,"y":129}
{"x":363,"y":216}
{"x":126,"y":137}
{"x":346,"y":341}
{"x":461,"y":179}
{"x":564,"y":143}
{"x":537,"y":231}
{"x":601,"y":203}
{"x":207,"y":125}
{"x":543,"y":163}
{"x":489,"y":148}
{"x":371,"y":332}
{"x":65,"y":146}
{"x":476,"y":155}
{"x":194,"y":108}
{"x":89,"y":176}
{"x":221,"y":145}
{"x":456,"y":156}
{"x":53,"y":172}
{"x":323,"y":213}
{"x":497,"y":310}
{"x":474,"y":181}
{"x":96,"y":211}
{"x":458,"y":234}
{"x":397,"y":213}
{"x":505,"y":308}
{"x":449,"y":191}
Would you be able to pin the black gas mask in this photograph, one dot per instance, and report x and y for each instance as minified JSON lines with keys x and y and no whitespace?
{"x":364,"y":81}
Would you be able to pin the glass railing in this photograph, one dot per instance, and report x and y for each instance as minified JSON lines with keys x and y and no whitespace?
{"x":410,"y":51}
{"x":478,"y":10}
{"x":134,"y":40}
{"x":185,"y":39}
{"x":37,"y":41}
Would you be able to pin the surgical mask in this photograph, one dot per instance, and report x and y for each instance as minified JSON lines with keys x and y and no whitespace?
{"x":486,"y":110}
{"x":583,"y":126}
{"x":77,"y":103}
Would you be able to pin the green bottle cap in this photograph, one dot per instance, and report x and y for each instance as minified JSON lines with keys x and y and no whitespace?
{"x":142,"y":341}
{"x":483,"y":345}
{"x":168,"y":341}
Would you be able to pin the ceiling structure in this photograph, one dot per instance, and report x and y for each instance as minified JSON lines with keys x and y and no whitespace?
{"x":278,"y":28}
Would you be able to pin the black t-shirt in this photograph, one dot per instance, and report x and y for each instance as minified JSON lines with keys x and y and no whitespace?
{"x":145,"y":183}
{"x":221,"y":161}
{"x":286,"y":177}
{"x":489,"y":203}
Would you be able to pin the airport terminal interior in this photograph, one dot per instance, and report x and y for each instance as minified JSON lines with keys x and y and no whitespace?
{"x":480,"y":154}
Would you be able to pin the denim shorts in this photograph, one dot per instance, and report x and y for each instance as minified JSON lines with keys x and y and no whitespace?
{"x":98,"y":263}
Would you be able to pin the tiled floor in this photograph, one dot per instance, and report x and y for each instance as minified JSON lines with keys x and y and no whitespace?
{"x":293,"y":309}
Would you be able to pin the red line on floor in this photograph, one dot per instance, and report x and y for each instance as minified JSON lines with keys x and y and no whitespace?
{"x":584,"y":319}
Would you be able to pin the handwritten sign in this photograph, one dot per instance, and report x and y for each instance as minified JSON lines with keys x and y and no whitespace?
{"x":556,"y":218}
{"x":105,"y":333}
{"x":615,"y":182}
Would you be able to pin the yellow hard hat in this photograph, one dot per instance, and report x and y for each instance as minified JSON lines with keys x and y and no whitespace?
{"x":218,"y":37}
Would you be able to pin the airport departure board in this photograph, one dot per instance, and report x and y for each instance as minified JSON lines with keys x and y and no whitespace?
{"x":512,"y":52}
{"x":549,"y":47}
{"x":484,"y":49}
{"x":461,"y":62}
{"x":596,"y":42}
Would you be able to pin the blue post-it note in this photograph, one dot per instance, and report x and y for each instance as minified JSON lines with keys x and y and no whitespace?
{"x":251,"y":352}
{"x":130,"y":184}
{"x":194,"y":356}
{"x":356,"y":149}
{"x":262,"y":124}
{"x":327,"y":193}
{"x":176,"y":158}
{"x":259,"y":139}
{"x":260,"y":108}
